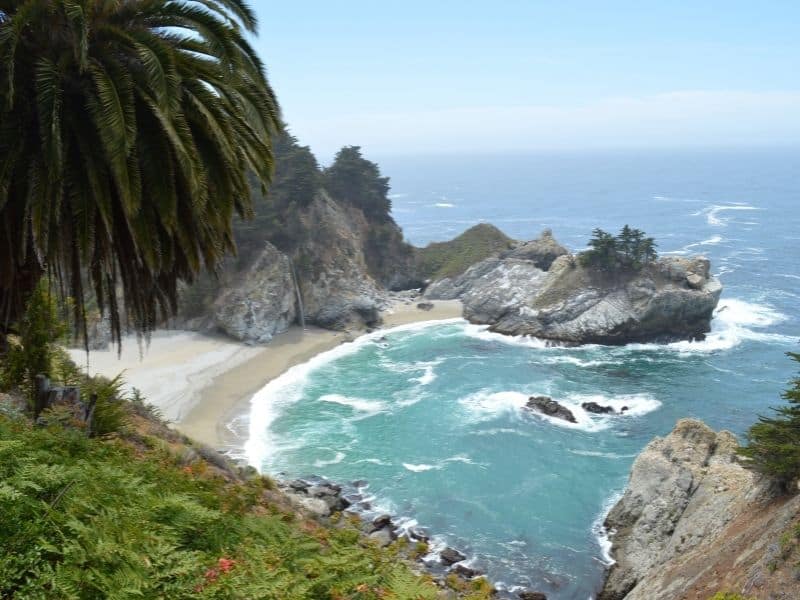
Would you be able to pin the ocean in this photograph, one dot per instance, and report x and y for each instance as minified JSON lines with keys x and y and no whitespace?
{"x":430,"y":415}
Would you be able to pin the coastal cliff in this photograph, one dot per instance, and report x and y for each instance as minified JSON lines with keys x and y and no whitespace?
{"x":541,"y":290}
{"x":693,"y":521}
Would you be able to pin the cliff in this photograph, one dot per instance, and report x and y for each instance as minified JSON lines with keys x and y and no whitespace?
{"x":541,"y":290}
{"x":693,"y":521}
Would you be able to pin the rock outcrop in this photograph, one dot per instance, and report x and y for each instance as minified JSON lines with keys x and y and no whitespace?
{"x":261,"y":302}
{"x":668,"y":300}
{"x":551,"y":408}
{"x":694,"y":521}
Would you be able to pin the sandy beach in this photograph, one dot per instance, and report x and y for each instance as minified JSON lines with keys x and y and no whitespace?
{"x":201,"y":383}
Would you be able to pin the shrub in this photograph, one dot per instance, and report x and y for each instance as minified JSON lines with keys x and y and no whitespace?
{"x":40,"y":331}
{"x":773,"y":443}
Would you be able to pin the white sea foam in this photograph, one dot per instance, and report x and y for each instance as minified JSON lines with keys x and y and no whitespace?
{"x":371,"y":407}
{"x":444,"y":205}
{"x":603,"y":535}
{"x":339,"y":457}
{"x":714,"y":213}
{"x":429,"y":376}
{"x":419,"y":468}
{"x":732,"y":324}
{"x":460,"y":458}
{"x":486,"y":405}
{"x":482,"y":332}
{"x":268,"y":403}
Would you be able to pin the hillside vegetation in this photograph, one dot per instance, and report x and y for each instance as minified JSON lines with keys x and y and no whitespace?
{"x":449,"y":259}
{"x":143,"y":516}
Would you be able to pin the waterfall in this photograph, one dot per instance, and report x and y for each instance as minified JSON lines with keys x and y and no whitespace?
{"x":297,"y":294}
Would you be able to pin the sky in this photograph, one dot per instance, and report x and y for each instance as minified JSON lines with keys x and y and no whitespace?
{"x":459,"y":76}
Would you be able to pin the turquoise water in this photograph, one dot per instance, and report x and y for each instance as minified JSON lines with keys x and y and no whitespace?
{"x":431,"y":415}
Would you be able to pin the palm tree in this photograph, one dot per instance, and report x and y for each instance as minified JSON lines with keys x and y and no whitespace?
{"x":128,"y":129}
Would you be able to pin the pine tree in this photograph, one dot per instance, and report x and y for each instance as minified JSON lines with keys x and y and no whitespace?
{"x":773,"y":443}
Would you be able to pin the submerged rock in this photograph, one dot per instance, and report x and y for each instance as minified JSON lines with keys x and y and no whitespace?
{"x":551,"y":408}
{"x":670,"y":299}
{"x":526,"y":595}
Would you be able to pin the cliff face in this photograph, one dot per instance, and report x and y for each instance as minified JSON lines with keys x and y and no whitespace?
{"x":335,"y":275}
{"x":693,"y":522}
{"x":539,"y":289}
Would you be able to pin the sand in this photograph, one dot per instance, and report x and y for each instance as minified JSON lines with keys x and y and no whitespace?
{"x":203,"y":384}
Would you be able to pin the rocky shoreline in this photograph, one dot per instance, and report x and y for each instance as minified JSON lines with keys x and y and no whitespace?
{"x":450,"y":568}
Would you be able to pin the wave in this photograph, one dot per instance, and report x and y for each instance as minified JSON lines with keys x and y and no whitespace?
{"x":714,"y":212}
{"x":339,"y":457}
{"x":270,"y":401}
{"x":421,"y":468}
{"x":486,"y":405}
{"x":429,"y":376}
{"x":444,"y":205}
{"x":371,"y":407}
{"x":732,"y":325}
{"x":481,"y":332}
{"x":603,"y":535}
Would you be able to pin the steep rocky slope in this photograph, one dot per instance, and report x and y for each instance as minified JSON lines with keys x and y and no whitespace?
{"x":539,"y":289}
{"x":693,"y":521}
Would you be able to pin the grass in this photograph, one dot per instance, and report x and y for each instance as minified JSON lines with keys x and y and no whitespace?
{"x":450,"y":259}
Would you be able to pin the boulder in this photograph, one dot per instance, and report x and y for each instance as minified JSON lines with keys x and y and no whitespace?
{"x":451,"y":556}
{"x":465,"y":572}
{"x":542,"y":252}
{"x":381,"y":521}
{"x":528,"y":595}
{"x":551,"y":408}
{"x":594,"y":407}
{"x":383,"y":537}
{"x":420,"y":534}
{"x":425,"y":306}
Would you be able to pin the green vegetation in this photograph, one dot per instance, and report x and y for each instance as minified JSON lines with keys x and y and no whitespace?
{"x":773,"y":443}
{"x":127,"y":132}
{"x":450,"y":259}
{"x":109,"y":519}
{"x":36,"y":349}
{"x":630,"y":250}
{"x":355,"y":180}
{"x":729,"y":596}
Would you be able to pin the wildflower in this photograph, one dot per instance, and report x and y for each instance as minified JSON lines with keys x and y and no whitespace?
{"x":226,"y":564}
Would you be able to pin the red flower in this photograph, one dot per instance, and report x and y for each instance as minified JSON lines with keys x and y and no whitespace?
{"x":211,"y":575}
{"x":226,"y":564}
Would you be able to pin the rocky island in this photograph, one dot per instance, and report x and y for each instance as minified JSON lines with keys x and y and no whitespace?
{"x":539,"y":289}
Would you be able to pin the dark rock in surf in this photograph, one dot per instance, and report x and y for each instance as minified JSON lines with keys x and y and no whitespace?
{"x":526,"y":595}
{"x":598,"y":409}
{"x":451,"y":556}
{"x":465,"y":572}
{"x":551,"y":408}
{"x":381,"y":521}
{"x":420,"y":534}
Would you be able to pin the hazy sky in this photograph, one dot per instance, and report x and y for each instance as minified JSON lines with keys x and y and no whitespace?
{"x":415,"y":76}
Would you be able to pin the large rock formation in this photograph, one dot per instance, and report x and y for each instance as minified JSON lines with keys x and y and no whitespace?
{"x":693,"y":521}
{"x":539,"y":290}
{"x":324,"y":278}
{"x":261,"y":300}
